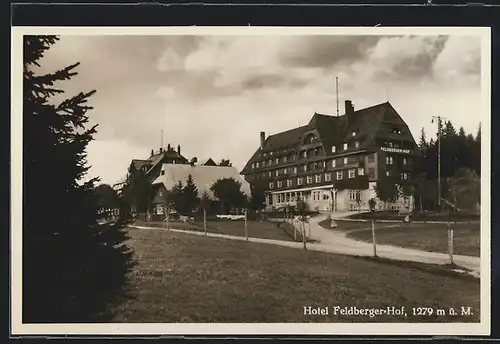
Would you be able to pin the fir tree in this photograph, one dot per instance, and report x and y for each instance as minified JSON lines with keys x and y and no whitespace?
{"x":176,"y":197}
{"x":190,"y":197}
{"x":423,"y":140}
{"x":74,"y":270}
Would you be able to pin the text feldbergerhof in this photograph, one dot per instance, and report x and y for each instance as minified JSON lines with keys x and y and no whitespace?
{"x":355,"y":311}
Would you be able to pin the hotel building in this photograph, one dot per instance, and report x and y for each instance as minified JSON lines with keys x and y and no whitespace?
{"x":334,"y":162}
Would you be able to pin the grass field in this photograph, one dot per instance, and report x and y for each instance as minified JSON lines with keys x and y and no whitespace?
{"x":187,"y":278}
{"x":426,"y":237}
{"x":256,"y":229}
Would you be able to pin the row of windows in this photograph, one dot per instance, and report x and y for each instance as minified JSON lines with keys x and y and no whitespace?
{"x":302,"y":155}
{"x":389,"y":160}
{"x":351,"y":173}
{"x":403,"y":175}
{"x":345,"y":145}
{"x":307,"y":167}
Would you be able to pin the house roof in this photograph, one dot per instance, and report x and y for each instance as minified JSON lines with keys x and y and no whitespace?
{"x":334,"y":130}
{"x":203,"y":177}
{"x":206,"y":162}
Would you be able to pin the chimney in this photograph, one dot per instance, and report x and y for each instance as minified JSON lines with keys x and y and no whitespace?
{"x":179,"y":149}
{"x":152,"y":152}
{"x":349,"y":110}
{"x":161,"y":150}
{"x":262,"y":139}
{"x":168,"y":147}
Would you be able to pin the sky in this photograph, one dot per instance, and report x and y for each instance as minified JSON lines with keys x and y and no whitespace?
{"x":213,"y":95}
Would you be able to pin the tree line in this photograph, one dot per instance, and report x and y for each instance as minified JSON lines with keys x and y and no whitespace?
{"x":185,"y":197}
{"x":459,"y":156}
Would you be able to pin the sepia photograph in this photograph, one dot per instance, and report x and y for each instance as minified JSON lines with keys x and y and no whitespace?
{"x":250,"y":181}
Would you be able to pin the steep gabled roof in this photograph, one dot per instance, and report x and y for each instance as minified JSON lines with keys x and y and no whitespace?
{"x":286,"y":139}
{"x":158,"y":158}
{"x":138,"y":163}
{"x":334,"y":130}
{"x":203,"y":177}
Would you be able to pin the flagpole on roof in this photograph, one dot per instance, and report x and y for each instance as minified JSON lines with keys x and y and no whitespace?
{"x":161,"y":139}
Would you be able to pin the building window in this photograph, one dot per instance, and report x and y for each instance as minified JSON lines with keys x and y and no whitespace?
{"x":354,"y":195}
{"x":353,"y":133}
{"x":361,"y":171}
{"x":277,"y":173}
{"x":371,"y":157}
{"x":160,"y":192}
{"x":345,"y":145}
{"x":285,"y":159}
{"x":309,"y":179}
{"x":271,"y":153}
{"x":270,"y":174}
{"x":404,"y":175}
{"x":318,"y":178}
{"x":257,"y":164}
{"x":295,"y":170}
{"x":304,"y":154}
{"x":280,"y":184}
{"x":305,"y":168}
{"x":357,"y":144}
{"x":339,"y":175}
{"x":271,"y":185}
{"x":346,"y":160}
{"x":328,"y":177}
{"x":269,"y":162}
{"x":285,"y":171}
{"x":289,"y":182}
{"x":300,"y":181}
{"x":277,"y":160}
{"x":388,"y":173}
{"x":334,"y":149}
{"x":334,"y":163}
{"x":253,"y":165}
{"x":352,"y":173}
{"x":294,"y":156}
{"x":371,"y":173}
{"x":405,"y":161}
{"x":389,"y":160}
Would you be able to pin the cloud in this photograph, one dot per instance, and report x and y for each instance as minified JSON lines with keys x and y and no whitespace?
{"x":326,"y":51}
{"x":214,"y":94}
{"x":402,"y":58}
{"x":460,"y":61}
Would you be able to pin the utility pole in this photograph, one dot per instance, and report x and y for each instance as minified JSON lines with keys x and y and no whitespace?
{"x":439,"y":120}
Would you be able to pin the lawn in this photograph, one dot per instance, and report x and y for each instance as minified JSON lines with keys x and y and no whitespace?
{"x":424,"y":216}
{"x":256,"y":229}
{"x":186,"y":278}
{"x":345,"y":225}
{"x":426,"y":237}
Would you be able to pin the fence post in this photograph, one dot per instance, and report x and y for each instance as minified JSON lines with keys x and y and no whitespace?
{"x":450,"y":242}
{"x":205,"y":221}
{"x":294,"y":225}
{"x":168,"y":218}
{"x":373,"y":239}
{"x":246,"y":225}
{"x":304,"y":234}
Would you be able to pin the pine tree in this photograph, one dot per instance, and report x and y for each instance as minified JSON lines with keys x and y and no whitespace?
{"x":190,"y":197}
{"x":176,"y":197}
{"x":423,"y":140}
{"x":74,"y":270}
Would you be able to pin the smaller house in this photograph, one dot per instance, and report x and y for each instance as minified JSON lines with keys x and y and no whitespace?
{"x":204,"y":176}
